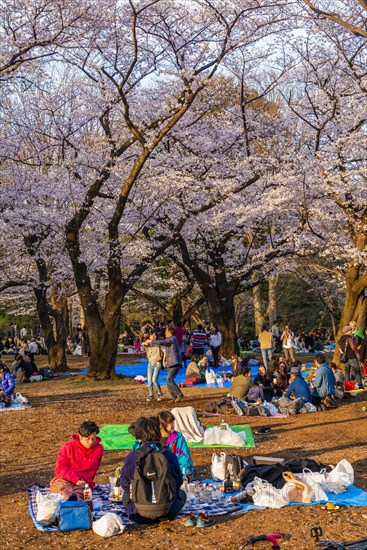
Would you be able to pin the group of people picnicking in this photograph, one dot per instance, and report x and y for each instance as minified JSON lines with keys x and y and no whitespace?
{"x":279,"y":376}
{"x":162,"y":449}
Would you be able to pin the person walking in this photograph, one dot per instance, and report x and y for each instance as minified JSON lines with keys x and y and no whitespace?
{"x":215,"y":341}
{"x":265,"y":340}
{"x":173,"y":361}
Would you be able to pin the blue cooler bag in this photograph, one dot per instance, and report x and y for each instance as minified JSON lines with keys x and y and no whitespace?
{"x":72,"y":515}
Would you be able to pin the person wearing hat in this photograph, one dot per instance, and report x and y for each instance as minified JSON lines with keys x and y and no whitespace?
{"x":348,"y":346}
{"x":298,"y":386}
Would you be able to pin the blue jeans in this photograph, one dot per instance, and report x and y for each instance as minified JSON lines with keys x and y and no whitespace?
{"x":153,"y":371}
{"x":173,"y":389}
{"x":354,"y":366}
{"x":266,"y":355}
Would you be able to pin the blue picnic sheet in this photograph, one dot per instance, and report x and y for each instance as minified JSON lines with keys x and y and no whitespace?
{"x":100,"y":492}
{"x":140,"y":368}
{"x":354,"y":497}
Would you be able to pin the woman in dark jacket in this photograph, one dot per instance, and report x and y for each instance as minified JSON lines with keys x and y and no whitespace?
{"x":264,"y":381}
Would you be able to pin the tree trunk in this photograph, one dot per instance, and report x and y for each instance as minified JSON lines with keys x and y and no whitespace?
{"x":355,"y":305}
{"x":103,"y":339}
{"x":272,"y":307}
{"x":258,"y":314}
{"x":56,"y":346}
{"x":222,"y":314}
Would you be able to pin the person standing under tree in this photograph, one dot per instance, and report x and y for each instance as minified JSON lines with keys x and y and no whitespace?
{"x":215,"y":340}
{"x":288,"y":345}
{"x":198,"y":340}
{"x":173,"y":361}
{"x":179,"y":334}
{"x":265,"y":340}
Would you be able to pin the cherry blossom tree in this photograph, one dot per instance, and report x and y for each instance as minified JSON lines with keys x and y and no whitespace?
{"x":349,"y":15}
{"x":32,"y":31}
{"x":327,"y":92}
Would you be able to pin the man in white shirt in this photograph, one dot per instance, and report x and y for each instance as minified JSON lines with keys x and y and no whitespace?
{"x":33,"y":348}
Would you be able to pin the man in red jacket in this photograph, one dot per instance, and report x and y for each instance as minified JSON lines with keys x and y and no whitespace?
{"x":78,"y":462}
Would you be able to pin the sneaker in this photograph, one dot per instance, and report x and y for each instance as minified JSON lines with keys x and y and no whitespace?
{"x":160,"y":397}
{"x":178,"y":399}
{"x":150,"y":398}
{"x":204,"y":520}
{"x":189,"y":521}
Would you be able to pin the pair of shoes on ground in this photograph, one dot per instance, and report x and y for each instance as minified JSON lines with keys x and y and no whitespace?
{"x":159,"y":398}
{"x":262,"y":430}
{"x":328,"y":402}
{"x":177,"y":399}
{"x":203,"y":520}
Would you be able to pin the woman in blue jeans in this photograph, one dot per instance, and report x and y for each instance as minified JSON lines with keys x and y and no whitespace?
{"x":155,"y":356}
{"x":172,"y":361}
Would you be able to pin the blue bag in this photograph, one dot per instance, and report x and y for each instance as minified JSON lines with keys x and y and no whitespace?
{"x":72,"y":515}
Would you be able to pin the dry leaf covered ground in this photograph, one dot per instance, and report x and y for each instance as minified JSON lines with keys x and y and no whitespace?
{"x":31,"y":440}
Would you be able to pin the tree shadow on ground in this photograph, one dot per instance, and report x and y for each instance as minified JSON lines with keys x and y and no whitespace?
{"x":42,"y":401}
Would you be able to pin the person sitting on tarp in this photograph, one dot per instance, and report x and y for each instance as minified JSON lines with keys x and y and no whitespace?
{"x":148,"y":499}
{"x":323,"y":385}
{"x":195,"y":372}
{"x":241,"y":383}
{"x":7,"y":385}
{"x":298,"y":387}
{"x":175,"y":442}
{"x":263,"y":380}
{"x":78,"y":462}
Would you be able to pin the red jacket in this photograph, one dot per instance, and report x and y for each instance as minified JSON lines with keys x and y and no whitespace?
{"x":76,"y":462}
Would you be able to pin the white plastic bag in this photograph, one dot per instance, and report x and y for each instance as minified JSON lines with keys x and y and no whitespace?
{"x":218,"y":466}
{"x":310,"y":407}
{"x":46,"y":507}
{"x":36,"y":378}
{"x":342,"y":474}
{"x":108,"y":525}
{"x":78,"y":350}
{"x":19,"y":398}
{"x":315,"y":480}
{"x":210,"y":377}
{"x":223,"y":435}
{"x":265,"y":494}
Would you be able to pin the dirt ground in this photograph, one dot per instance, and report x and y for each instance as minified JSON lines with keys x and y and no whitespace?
{"x":31,"y":440}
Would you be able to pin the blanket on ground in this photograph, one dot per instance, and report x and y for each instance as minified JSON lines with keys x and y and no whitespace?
{"x":14,"y":407}
{"x":115,"y":437}
{"x":100,"y":492}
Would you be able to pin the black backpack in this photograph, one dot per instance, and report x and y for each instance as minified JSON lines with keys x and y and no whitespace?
{"x":233,"y":466}
{"x":153,"y":488}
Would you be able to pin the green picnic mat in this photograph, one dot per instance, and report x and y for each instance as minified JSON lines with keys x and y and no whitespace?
{"x":115,"y":437}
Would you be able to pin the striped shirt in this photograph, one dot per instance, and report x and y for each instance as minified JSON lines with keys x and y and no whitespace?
{"x":198,"y":339}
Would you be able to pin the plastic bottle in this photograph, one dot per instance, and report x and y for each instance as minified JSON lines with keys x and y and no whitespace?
{"x":87,"y":495}
{"x":185,"y":482}
{"x":207,"y":493}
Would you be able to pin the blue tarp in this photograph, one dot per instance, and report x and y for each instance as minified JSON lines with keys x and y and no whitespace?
{"x":141,"y":368}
